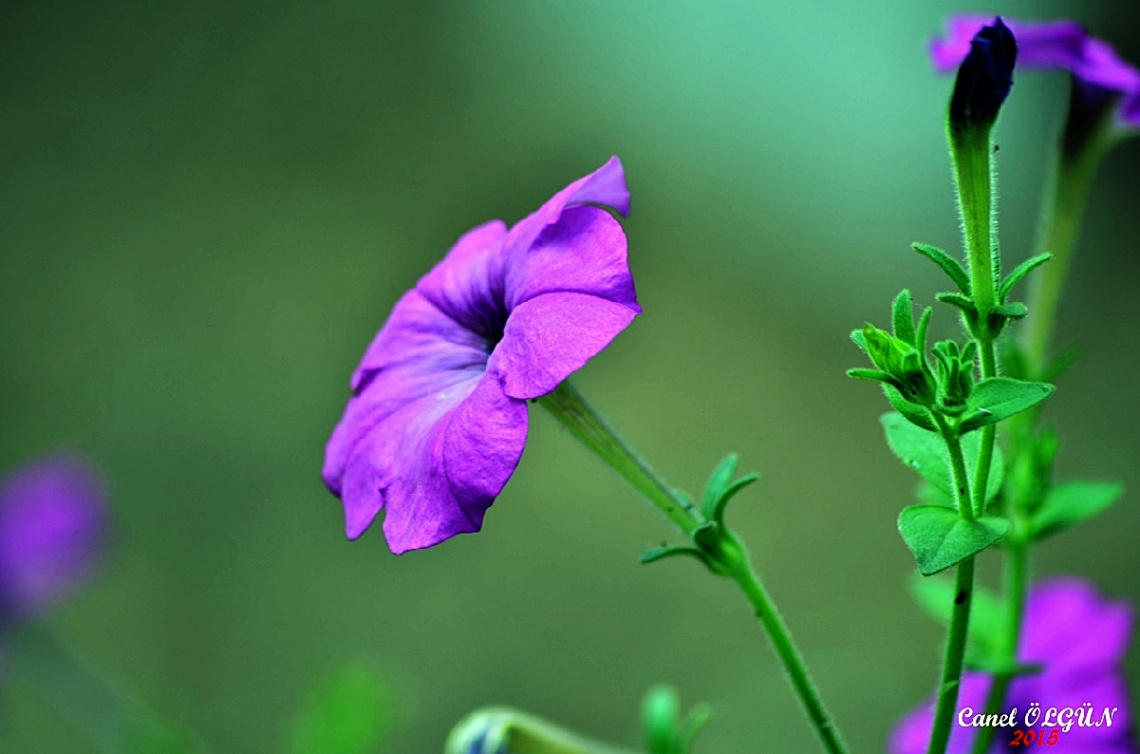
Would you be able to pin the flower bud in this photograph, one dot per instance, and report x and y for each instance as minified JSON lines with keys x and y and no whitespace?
{"x":984,"y":79}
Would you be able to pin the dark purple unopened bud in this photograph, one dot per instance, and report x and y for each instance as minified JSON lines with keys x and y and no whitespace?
{"x":984,"y":78}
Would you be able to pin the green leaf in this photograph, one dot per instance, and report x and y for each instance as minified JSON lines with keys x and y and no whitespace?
{"x":660,"y":553}
{"x":940,"y":538}
{"x":999,"y":398}
{"x":719,"y":479}
{"x":869,"y":374}
{"x":913,"y":413}
{"x":920,"y":333}
{"x":952,"y":267}
{"x":958,"y":301}
{"x":935,"y":596}
{"x":926,"y":453}
{"x":1070,"y":503}
{"x":348,"y":714}
{"x":858,"y":340}
{"x":1012,"y":310}
{"x":1019,"y":272}
{"x":903,"y":317}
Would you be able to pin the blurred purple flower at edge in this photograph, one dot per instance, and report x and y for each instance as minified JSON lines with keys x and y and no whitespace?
{"x":53,"y":524}
{"x":1080,"y":641}
{"x":1051,"y":44}
{"x":438,"y":419}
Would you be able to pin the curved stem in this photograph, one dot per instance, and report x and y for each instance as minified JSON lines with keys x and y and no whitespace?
{"x":572,"y":410}
{"x":793,"y":663}
{"x":574,"y":413}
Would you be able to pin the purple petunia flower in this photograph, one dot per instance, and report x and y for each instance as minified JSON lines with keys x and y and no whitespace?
{"x":438,"y":419}
{"x":1050,"y":44}
{"x":1079,"y":640}
{"x":53,"y":517}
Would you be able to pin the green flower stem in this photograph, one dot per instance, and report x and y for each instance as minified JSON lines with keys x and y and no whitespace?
{"x":955,"y":653}
{"x":989,"y":435}
{"x":570,"y":408}
{"x":1016,"y":587}
{"x":745,"y":576}
{"x":973,"y":175}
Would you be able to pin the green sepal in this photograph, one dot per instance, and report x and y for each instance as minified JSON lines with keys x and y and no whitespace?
{"x":660,"y":553}
{"x":913,"y":413}
{"x":719,"y":479}
{"x":939,"y":538}
{"x":952,"y":267}
{"x":935,"y":597}
{"x":1018,"y":272}
{"x":902,"y":317}
{"x":925,"y":452}
{"x":721,"y":488}
{"x":1012,"y":310}
{"x":923,"y":326}
{"x":717,"y":511}
{"x":1070,"y":503}
{"x":348,"y":714}
{"x":999,"y":398}
{"x":870,"y":374}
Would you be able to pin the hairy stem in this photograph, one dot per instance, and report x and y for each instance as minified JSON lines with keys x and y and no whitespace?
{"x":955,"y":652}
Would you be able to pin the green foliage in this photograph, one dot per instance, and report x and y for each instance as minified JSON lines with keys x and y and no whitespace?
{"x":952,"y":267}
{"x":721,"y":488}
{"x":348,"y":714}
{"x":902,"y":315}
{"x":1070,"y":503}
{"x":666,"y":732}
{"x":898,"y":363}
{"x":1019,"y":272}
{"x":926,"y":453}
{"x":669,"y":551}
{"x":999,"y":398}
{"x":939,"y":538}
{"x":935,"y":596}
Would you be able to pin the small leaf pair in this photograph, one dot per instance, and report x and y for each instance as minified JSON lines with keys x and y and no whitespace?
{"x":711,"y":536}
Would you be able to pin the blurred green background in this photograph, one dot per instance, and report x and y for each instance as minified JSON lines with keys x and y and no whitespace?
{"x":207,"y":209}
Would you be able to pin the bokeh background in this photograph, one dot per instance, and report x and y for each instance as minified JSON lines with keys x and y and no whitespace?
{"x":207,"y":209}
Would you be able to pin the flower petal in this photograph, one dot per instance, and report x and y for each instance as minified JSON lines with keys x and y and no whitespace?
{"x":53,"y":519}
{"x":447,"y":469}
{"x":551,"y":336}
{"x":584,"y":252}
{"x":1048,"y":44}
{"x":605,"y":186}
{"x":418,"y":333}
{"x":1074,"y":630}
{"x":468,"y":284}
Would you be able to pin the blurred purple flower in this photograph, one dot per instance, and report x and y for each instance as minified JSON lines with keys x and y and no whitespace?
{"x":438,"y":419}
{"x":53,"y":516}
{"x":1079,"y":640}
{"x":1050,"y":44}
